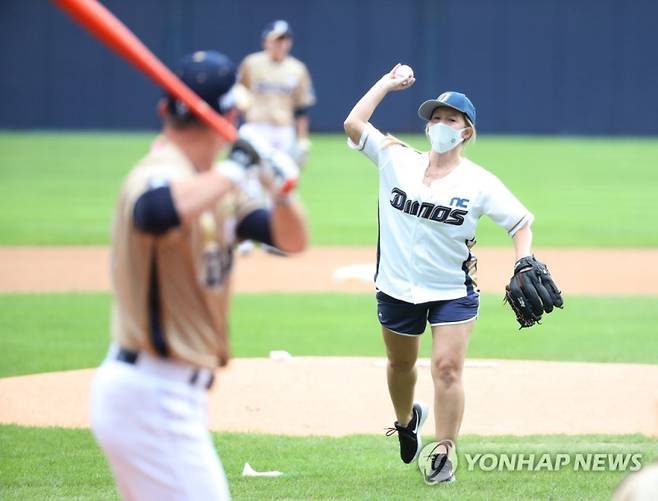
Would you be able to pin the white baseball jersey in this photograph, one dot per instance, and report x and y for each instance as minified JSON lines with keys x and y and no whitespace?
{"x":425,"y":232}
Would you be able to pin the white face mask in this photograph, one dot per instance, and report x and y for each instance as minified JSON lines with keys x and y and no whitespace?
{"x":444,"y":138}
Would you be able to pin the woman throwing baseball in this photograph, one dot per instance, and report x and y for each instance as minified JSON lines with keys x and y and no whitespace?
{"x":429,"y":206}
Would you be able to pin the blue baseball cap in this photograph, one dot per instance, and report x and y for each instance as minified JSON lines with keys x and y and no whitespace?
{"x":450,"y":99}
{"x":211,"y":75}
{"x":276,"y":29}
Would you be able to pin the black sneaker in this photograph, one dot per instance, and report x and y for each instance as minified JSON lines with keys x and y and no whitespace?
{"x":438,"y":467}
{"x":410,"y":441}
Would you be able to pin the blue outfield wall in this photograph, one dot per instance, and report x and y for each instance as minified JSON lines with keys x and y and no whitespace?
{"x":530,"y":66}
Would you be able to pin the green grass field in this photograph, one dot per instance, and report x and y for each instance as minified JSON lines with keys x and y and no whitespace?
{"x":60,"y":188}
{"x":41,"y":333}
{"x":351,"y":468}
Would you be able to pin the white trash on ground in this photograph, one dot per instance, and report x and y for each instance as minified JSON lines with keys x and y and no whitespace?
{"x":280,"y":355}
{"x":248,"y":471}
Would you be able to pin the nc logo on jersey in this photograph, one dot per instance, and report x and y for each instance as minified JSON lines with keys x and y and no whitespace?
{"x":460,"y":202}
{"x":427,"y":210}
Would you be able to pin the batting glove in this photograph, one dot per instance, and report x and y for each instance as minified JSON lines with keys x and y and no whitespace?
{"x":284,"y":171}
{"x":242,"y":157}
{"x":278,"y":167}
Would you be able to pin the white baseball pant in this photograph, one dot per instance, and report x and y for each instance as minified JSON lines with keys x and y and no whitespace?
{"x":151,"y":420}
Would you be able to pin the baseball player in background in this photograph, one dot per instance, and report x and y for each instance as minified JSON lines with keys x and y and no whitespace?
{"x":275,"y":92}
{"x":279,"y":92}
{"x":429,"y":206}
{"x":178,"y":217}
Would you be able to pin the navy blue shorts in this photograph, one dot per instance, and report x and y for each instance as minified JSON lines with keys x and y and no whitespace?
{"x":411,"y":319}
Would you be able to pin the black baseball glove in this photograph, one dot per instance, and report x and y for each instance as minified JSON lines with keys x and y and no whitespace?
{"x":532,"y":291}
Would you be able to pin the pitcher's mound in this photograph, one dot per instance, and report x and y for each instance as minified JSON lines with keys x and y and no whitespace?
{"x":341,"y":396}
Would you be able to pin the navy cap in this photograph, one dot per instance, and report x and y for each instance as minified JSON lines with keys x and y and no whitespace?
{"x":276,"y":29}
{"x":451,"y":99}
{"x":211,"y":75}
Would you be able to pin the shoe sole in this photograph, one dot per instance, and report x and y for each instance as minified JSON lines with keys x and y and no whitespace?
{"x":425,"y":410}
{"x":450,"y":480}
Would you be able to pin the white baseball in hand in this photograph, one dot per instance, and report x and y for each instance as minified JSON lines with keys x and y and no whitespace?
{"x":403,"y":71}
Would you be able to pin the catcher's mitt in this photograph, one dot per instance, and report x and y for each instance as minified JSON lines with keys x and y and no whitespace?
{"x":532,"y":291}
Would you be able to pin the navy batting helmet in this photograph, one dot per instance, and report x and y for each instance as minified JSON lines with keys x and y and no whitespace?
{"x":211,"y":75}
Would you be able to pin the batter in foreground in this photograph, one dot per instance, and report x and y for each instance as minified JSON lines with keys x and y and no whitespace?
{"x":177,"y":220}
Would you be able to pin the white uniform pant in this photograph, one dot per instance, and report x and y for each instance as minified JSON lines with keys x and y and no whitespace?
{"x":152,"y":424}
{"x":281,"y":138}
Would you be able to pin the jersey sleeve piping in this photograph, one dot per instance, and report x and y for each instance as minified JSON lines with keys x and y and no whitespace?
{"x":526,"y":219}
{"x":362,"y":140}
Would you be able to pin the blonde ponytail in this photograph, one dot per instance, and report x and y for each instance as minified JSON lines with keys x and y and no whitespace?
{"x":391,"y":140}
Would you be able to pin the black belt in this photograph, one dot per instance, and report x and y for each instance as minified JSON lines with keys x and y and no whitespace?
{"x":130,"y":357}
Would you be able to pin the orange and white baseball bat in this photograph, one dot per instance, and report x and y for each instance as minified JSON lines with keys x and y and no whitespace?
{"x":102,"y":24}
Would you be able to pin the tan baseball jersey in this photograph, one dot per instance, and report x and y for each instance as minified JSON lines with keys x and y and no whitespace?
{"x":171,"y":291}
{"x":277,"y":88}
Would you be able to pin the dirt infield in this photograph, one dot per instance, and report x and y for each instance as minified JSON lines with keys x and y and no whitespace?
{"x":303,"y":397}
{"x":335,"y":269}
